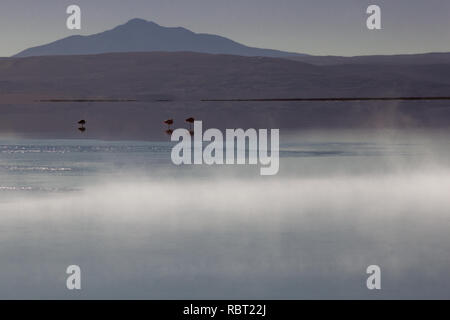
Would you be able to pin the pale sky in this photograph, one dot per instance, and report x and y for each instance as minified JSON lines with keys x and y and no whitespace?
{"x":321,"y":27}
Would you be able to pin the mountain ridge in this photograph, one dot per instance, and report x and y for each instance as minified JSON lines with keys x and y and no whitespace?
{"x":138,"y":35}
{"x":140,"y":90}
{"x":188,"y":75}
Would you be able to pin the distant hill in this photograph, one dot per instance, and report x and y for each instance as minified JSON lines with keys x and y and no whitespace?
{"x":139,"y":35}
{"x":397,"y":59}
{"x":46,"y":96}
{"x":187,"y":75}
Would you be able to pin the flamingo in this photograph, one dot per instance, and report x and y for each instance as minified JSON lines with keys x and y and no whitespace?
{"x":190,"y":121}
{"x":169,"y":122}
{"x":82,"y":123}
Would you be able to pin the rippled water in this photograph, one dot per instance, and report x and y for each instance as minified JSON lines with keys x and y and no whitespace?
{"x":140,"y":227}
{"x":56,"y":165}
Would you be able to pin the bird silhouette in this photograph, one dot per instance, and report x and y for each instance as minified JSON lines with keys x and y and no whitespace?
{"x":169,"y":122}
{"x":190,"y":121}
{"x":82,"y":123}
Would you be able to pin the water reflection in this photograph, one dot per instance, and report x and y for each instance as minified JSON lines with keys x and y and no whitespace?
{"x":140,"y":227}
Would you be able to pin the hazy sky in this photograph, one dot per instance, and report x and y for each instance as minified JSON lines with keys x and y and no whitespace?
{"x":309,"y":26}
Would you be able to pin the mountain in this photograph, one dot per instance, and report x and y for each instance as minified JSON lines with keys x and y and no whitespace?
{"x":139,"y":35}
{"x":397,"y":59}
{"x":46,"y":96}
{"x":182,"y":76}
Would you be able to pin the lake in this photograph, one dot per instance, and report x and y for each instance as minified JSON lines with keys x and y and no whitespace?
{"x":141,"y":227}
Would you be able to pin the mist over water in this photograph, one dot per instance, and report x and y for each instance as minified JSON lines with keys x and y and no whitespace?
{"x":140,"y":227}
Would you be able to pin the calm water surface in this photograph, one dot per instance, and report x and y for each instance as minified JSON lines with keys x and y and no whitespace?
{"x":140,"y":227}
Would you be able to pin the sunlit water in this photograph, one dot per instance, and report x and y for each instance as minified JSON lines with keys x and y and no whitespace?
{"x":140,"y":227}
